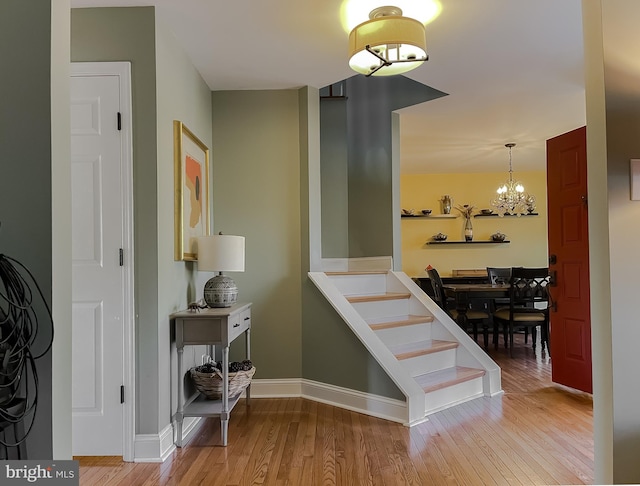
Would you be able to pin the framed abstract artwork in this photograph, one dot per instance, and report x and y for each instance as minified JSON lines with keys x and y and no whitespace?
{"x":191,"y":203}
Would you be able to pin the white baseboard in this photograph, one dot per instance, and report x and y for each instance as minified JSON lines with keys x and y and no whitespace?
{"x":157,"y":447}
{"x":366,"y":403}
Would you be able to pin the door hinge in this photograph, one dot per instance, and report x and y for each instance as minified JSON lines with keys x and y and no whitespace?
{"x":119,"y":121}
{"x":121,"y":257}
{"x":121,"y":393}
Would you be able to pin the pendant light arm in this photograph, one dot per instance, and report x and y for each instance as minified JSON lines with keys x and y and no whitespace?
{"x":510,"y":146}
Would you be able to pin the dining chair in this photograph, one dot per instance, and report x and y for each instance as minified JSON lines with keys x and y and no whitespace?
{"x":528,"y":305}
{"x":474,"y":317}
{"x":501,"y":276}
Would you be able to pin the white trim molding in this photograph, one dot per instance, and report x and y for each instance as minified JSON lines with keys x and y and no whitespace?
{"x":356,"y":401}
{"x":158,"y":447}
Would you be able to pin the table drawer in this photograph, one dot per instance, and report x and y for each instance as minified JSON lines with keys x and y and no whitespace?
{"x":239,"y":323}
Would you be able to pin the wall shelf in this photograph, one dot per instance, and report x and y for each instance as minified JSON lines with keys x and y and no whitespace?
{"x":430,"y":216}
{"x":506,"y":215}
{"x":477,"y":242}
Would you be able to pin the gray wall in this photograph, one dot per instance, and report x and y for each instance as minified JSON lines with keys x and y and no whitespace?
{"x":369,"y":106}
{"x":334,"y":177}
{"x":128,"y":34}
{"x":25,"y":172}
{"x":613,"y":122}
{"x":61,"y":213}
{"x":622,"y":98}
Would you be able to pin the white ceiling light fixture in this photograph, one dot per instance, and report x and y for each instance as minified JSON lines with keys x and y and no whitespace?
{"x":387,"y":43}
{"x":510,"y":197}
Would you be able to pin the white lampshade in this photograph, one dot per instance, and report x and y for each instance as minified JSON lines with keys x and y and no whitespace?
{"x":399,"y":40}
{"x":221,"y":253}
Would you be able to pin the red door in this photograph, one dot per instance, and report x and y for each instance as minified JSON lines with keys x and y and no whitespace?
{"x":569,"y":258}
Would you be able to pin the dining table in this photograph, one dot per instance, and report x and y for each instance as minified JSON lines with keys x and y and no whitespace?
{"x":466,"y":295}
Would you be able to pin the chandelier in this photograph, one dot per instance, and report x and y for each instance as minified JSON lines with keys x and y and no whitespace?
{"x":511,"y":197}
{"x":387,"y":43}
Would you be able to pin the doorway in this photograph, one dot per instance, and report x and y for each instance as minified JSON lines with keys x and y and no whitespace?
{"x":569,"y":259}
{"x":102,"y":260}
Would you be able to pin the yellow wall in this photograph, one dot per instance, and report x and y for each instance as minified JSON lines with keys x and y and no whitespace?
{"x":528,"y":235}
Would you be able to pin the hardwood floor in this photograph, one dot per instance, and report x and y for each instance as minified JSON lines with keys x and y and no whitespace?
{"x":536,"y":433}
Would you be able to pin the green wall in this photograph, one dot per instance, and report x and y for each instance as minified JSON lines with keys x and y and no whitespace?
{"x":261,"y":191}
{"x":182,"y":95}
{"x":256,"y":194}
{"x":25,"y":173}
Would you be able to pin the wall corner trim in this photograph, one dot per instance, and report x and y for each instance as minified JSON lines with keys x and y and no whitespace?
{"x":158,"y":447}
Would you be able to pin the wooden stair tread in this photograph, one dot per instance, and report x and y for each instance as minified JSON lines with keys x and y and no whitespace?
{"x":408,"y":321}
{"x":378,"y":297}
{"x":421,"y":348}
{"x":437,"y":380}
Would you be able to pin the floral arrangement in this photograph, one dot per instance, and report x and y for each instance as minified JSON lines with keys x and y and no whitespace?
{"x":466,"y":210}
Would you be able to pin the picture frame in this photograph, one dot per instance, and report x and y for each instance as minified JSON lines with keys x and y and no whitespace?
{"x":191,"y":192}
{"x":634,"y":179}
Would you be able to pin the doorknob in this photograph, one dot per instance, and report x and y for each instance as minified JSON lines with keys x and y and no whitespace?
{"x":553,"y":260}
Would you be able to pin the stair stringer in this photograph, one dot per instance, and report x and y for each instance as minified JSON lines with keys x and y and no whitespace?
{"x":407,"y":385}
{"x":469,"y":354}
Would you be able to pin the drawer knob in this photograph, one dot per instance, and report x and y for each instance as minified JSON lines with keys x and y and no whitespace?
{"x":236,"y":324}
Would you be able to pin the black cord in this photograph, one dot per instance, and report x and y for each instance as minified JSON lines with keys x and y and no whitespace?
{"x":19,"y":327}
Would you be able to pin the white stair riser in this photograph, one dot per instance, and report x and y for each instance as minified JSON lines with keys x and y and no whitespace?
{"x":438,"y":331}
{"x":382,"y":308}
{"x":446,"y":397}
{"x":405,"y":334}
{"x":430,"y":362}
{"x":360,"y":284}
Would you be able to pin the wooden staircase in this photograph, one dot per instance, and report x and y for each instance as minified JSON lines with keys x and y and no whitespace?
{"x":431,"y":360}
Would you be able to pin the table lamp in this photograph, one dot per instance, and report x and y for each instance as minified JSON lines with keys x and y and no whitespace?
{"x":220,"y":253}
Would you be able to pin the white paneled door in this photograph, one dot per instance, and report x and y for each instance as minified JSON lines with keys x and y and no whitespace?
{"x":99,"y":279}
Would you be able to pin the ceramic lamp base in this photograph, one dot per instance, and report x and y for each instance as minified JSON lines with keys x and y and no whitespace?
{"x":220,"y":291}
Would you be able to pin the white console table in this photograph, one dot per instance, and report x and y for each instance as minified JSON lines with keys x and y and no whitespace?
{"x":214,"y":327}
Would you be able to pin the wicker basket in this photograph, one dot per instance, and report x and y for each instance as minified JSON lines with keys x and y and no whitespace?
{"x":210,"y":384}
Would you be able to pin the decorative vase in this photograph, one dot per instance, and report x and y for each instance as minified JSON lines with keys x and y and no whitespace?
{"x":468,"y":230}
{"x":446,"y":204}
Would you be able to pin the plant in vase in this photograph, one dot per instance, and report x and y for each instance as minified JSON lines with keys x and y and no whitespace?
{"x":467,"y":212}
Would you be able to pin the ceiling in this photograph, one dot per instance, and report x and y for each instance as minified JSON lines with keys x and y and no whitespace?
{"x":512,"y":69}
